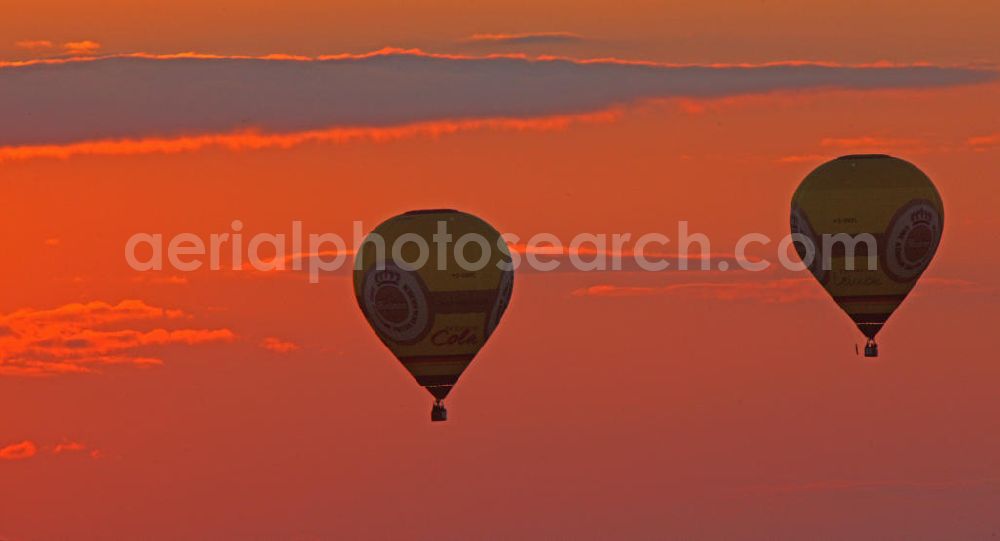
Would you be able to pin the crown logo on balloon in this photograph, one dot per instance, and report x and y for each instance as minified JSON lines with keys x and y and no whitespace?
{"x":387,"y":276}
{"x":921,"y":216}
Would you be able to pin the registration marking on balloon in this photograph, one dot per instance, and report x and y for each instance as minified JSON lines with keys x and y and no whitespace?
{"x":503,"y":299}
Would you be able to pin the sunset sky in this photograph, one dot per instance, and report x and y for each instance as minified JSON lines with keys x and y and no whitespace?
{"x":239,"y":404}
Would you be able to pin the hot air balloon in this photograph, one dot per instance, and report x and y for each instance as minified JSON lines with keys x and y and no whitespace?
{"x":885,"y":197}
{"x":436,"y":314}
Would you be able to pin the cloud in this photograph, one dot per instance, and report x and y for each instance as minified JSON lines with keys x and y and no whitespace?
{"x":90,"y":314}
{"x":862,"y":143}
{"x":68,"y":447}
{"x":177,"y":97}
{"x":33,"y":44}
{"x":884,"y":144}
{"x":870,"y":144}
{"x":29,"y":449}
{"x":868,"y":141}
{"x":527,"y":38}
{"x":84,"y":47}
{"x":779,"y":291}
{"x":586,"y":259}
{"x":278,"y":345}
{"x":793,"y":158}
{"x":159,"y":279}
{"x":771,"y":291}
{"x":955,"y":284}
{"x":79,"y":337}
{"x":255,"y":140}
{"x":981,"y":143}
{"x":579,"y":259}
{"x":18,"y":451}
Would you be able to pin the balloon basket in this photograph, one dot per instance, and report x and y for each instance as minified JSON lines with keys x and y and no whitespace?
{"x":438,"y":412}
{"x":871,"y":349}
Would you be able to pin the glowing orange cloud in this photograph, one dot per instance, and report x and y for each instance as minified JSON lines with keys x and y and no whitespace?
{"x":984,"y":142}
{"x":163,"y":105}
{"x":84,"y":47}
{"x":19,"y":451}
{"x":68,"y":447}
{"x":74,"y":338}
{"x":784,"y":290}
{"x":868,"y":141}
{"x":254,"y":140}
{"x":772,"y":291}
{"x":32,"y":44}
{"x":397,"y":51}
{"x":525,"y":38}
{"x":278,"y":345}
{"x":172,"y":279}
{"x":90,"y":314}
{"x":29,"y":449}
{"x":804,"y":158}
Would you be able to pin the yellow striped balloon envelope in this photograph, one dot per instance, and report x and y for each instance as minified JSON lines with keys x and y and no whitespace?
{"x":434,"y":285}
{"x":899,"y":209}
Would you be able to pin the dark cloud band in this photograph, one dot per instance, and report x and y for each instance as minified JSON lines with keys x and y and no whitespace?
{"x":143,"y":96}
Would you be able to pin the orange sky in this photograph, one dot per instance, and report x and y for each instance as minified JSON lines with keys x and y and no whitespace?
{"x":247,"y":405}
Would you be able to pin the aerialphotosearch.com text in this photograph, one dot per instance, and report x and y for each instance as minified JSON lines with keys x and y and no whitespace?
{"x":324,"y":253}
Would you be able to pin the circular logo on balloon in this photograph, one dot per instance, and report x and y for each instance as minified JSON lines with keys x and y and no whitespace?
{"x":503,"y":299}
{"x":395,"y":301}
{"x":911,"y":240}
{"x":800,"y":225}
